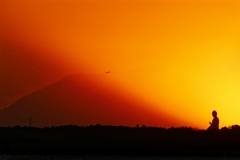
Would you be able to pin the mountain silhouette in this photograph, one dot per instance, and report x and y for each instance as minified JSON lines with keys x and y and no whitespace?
{"x":81,"y":99}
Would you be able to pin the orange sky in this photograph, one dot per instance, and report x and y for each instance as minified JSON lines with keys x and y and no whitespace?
{"x":180,"y":54}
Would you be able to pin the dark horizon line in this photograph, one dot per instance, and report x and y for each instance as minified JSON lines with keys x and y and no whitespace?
{"x":236,"y":126}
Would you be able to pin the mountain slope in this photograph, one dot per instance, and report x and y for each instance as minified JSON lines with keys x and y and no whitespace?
{"x":82,"y":100}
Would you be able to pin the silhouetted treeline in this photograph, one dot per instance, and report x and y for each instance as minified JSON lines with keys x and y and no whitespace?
{"x":119,"y":140}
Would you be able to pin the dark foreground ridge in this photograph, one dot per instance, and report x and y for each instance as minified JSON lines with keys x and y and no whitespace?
{"x":120,"y":140}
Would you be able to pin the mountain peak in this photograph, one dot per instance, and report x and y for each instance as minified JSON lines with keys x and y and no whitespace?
{"x":80,"y":99}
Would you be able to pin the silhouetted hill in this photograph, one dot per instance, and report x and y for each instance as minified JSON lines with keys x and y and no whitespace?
{"x":82,"y":100}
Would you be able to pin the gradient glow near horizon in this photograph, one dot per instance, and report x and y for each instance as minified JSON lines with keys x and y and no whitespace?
{"x":183,"y":57}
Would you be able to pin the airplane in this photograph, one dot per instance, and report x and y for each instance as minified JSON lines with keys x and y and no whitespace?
{"x":107,"y":72}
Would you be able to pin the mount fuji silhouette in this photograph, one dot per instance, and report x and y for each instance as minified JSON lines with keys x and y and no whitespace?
{"x":80,"y":99}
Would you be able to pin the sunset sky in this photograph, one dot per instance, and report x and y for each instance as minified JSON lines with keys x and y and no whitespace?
{"x":181,"y":56}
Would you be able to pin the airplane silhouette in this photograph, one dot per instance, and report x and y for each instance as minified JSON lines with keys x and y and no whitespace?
{"x":107,"y":72}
